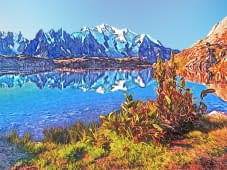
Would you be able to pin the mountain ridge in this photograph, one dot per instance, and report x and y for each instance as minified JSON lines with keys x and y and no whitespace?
{"x":102,"y":41}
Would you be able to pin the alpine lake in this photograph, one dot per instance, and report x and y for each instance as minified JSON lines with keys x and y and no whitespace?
{"x":33,"y":102}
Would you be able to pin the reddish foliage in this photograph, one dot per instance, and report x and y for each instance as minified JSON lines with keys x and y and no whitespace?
{"x":174,"y":102}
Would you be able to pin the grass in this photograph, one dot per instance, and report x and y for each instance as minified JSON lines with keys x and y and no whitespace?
{"x":122,"y":152}
{"x":207,"y":139}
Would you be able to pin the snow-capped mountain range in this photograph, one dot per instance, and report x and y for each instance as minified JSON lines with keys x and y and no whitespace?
{"x":102,"y":40}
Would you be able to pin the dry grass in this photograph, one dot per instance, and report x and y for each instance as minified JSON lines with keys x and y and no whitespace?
{"x":204,"y":147}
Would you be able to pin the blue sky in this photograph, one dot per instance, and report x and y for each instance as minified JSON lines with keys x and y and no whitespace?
{"x":176,"y":23}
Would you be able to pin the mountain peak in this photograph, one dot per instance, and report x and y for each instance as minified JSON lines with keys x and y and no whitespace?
{"x":206,"y":61}
{"x":105,"y":27}
{"x":147,"y":37}
{"x":218,"y":29}
{"x":85,"y":29}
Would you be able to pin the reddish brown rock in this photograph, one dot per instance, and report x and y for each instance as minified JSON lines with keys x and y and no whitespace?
{"x":206,"y":60}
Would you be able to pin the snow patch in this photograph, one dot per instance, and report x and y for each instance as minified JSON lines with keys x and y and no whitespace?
{"x":217,"y":113}
{"x":100,"y":89}
{"x":139,"y":81}
{"x":119,"y":86}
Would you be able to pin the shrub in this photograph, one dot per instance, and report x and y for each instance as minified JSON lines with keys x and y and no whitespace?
{"x":26,"y":138}
{"x":174,"y":102}
{"x":56,"y":135}
{"x":13,"y":137}
{"x":75,"y":153}
{"x":82,"y":132}
{"x":170,"y":115}
{"x":137,"y":120}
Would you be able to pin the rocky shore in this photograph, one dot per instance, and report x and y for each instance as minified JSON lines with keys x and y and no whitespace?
{"x":9,"y":154}
{"x":24,"y":65}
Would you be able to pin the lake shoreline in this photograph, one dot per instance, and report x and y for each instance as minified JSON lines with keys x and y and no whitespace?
{"x":30,"y":65}
{"x":9,"y":153}
{"x":220,"y":87}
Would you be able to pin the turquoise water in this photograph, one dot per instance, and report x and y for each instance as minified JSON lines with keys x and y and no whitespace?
{"x":32,"y":103}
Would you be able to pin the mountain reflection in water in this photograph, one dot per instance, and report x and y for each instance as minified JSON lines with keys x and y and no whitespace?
{"x":52,"y":99}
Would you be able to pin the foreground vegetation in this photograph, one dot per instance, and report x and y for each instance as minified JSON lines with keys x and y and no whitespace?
{"x":203,"y":147}
{"x":170,"y":132}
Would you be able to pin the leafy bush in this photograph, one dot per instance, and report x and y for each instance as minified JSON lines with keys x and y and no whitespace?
{"x":171,"y":114}
{"x":174,"y":102}
{"x":136,"y":120}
